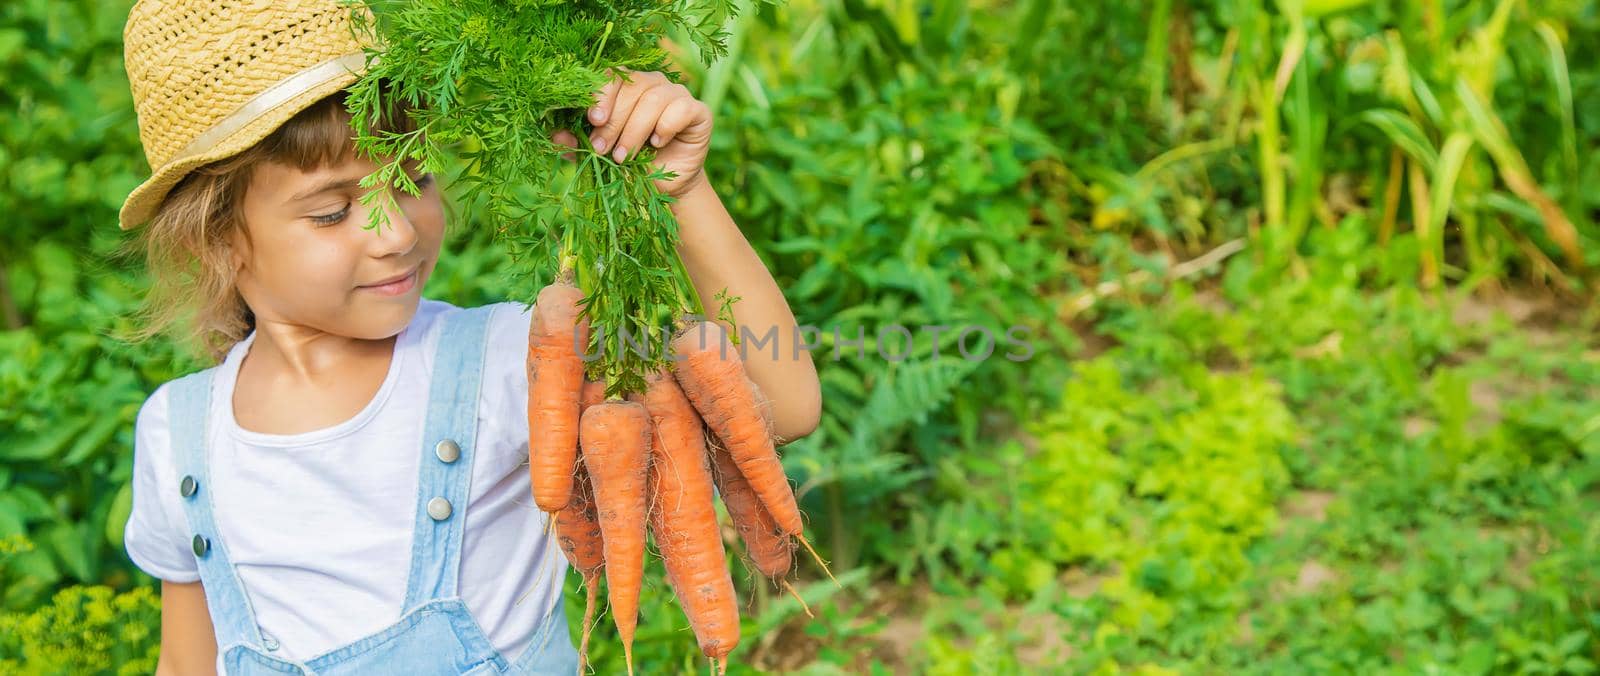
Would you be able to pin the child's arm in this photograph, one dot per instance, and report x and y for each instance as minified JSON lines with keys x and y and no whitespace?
{"x":717,"y":256}
{"x":652,"y":110}
{"x":188,"y":643}
{"x":157,"y":540}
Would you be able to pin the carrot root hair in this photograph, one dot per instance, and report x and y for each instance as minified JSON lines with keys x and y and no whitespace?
{"x":591,"y":582}
{"x":819,"y":560}
{"x":796,"y":594}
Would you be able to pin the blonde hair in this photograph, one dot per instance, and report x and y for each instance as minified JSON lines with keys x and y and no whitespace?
{"x":187,"y":244}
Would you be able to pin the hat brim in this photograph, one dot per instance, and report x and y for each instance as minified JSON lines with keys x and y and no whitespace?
{"x":143,"y":203}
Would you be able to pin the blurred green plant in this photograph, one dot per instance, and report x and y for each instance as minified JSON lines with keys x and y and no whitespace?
{"x":877,"y":204}
{"x":1477,"y":99}
{"x":1305,"y":476}
{"x":69,"y":150}
{"x":1310,"y":464}
{"x":83,"y":630}
{"x":1160,"y":482}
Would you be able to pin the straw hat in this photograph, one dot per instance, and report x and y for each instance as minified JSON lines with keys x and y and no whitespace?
{"x":210,"y":78}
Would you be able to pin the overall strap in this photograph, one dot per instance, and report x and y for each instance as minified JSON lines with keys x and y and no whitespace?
{"x":449,"y":440}
{"x":189,"y":407}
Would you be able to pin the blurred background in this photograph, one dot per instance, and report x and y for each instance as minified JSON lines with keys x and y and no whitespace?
{"x":1308,"y":286}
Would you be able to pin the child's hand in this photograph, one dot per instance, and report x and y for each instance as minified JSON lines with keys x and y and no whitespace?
{"x":651,"y":109}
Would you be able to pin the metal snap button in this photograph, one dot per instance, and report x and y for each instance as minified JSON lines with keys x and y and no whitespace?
{"x":447,"y":450}
{"x":201,"y":545}
{"x":188,"y":487}
{"x":439,"y":509}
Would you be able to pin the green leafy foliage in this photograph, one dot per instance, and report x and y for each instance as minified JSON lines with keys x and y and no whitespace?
{"x":1165,"y":483}
{"x":879,"y":206}
{"x":1381,"y":484}
{"x":68,"y":146}
{"x":604,"y":222}
{"x":1301,"y":461}
{"x":83,"y":630}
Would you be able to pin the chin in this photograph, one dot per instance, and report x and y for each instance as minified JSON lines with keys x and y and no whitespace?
{"x":378,"y":321}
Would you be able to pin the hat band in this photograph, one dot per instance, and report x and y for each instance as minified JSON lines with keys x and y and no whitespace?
{"x":270,"y":98}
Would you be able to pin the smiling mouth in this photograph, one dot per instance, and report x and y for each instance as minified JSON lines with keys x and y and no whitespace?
{"x":396,"y":286}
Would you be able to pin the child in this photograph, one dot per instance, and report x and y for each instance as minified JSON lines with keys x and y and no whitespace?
{"x":346,"y":492}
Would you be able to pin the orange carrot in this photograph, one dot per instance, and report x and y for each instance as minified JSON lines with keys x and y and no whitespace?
{"x":556,"y":338}
{"x":578,"y":531}
{"x":684,"y":518}
{"x":713,"y":377}
{"x":593,"y":392}
{"x":768,"y":546}
{"x":616,"y":452}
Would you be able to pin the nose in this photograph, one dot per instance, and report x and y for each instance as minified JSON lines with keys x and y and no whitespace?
{"x":396,"y":235}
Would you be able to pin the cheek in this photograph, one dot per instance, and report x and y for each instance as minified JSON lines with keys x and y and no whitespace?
{"x":430,"y":222}
{"x":307,"y":265}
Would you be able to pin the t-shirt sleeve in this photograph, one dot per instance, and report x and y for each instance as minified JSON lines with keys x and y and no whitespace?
{"x":156,"y":534}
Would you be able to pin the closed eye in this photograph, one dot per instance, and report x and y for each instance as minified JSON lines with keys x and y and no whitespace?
{"x":335,"y":217}
{"x":422,"y":182}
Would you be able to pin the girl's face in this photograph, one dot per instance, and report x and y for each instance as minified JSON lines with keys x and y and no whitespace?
{"x":311,"y":261}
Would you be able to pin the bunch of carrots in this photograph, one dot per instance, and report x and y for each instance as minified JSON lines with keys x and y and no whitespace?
{"x":609,"y":469}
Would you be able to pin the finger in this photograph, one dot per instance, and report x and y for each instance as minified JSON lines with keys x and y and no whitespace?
{"x":622,"y":103}
{"x":685,"y":119}
{"x":646,"y":115}
{"x":604,"y":138}
{"x":568,"y":139}
{"x":603,"y":101}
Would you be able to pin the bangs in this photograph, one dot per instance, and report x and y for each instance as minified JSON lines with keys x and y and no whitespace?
{"x":322,"y":136}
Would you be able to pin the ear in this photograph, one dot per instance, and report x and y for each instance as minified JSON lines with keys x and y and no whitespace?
{"x":238,"y":249}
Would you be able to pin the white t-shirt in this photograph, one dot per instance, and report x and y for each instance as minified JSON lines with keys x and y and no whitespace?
{"x":319,"y":524}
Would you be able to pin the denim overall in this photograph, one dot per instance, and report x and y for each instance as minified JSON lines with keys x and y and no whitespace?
{"x":435,"y":634}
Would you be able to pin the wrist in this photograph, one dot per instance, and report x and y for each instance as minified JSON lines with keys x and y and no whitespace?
{"x":693,"y":188}
{"x":702,"y":218}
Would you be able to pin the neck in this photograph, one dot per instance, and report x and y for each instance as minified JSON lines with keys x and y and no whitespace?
{"x":306,"y":354}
